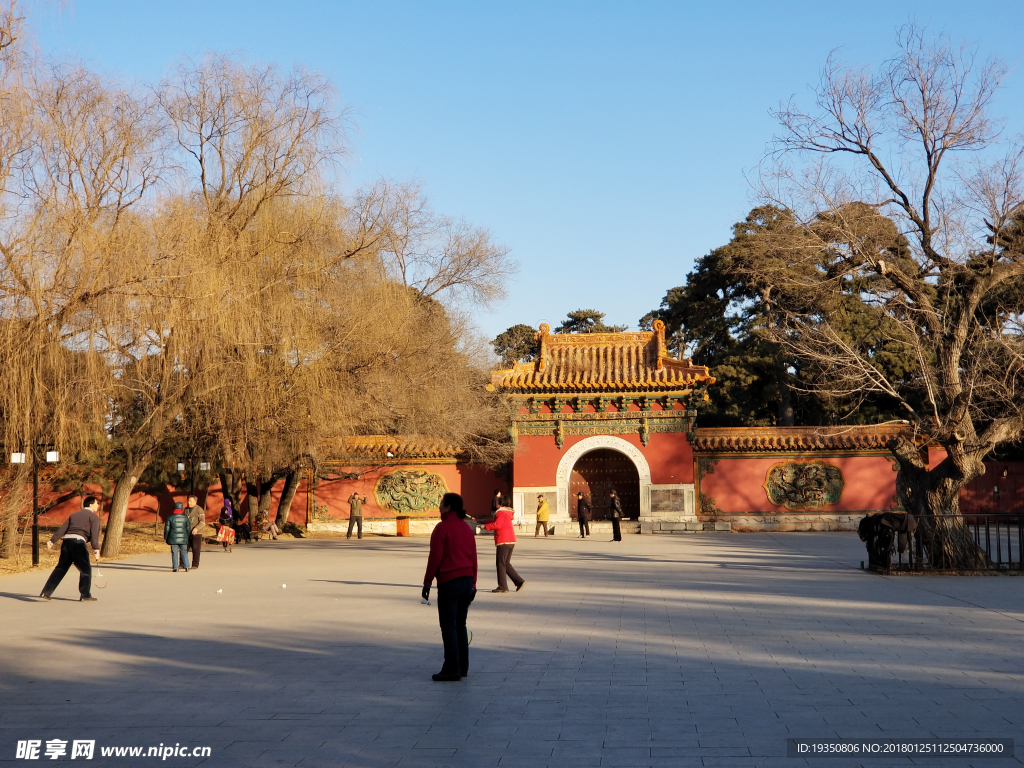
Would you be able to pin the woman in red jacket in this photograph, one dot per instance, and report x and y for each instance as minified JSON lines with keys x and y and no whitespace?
{"x":453,"y":563}
{"x":504,"y":543}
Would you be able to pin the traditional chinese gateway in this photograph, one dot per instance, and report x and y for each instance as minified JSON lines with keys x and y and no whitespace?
{"x":596,"y":412}
{"x":603,"y":411}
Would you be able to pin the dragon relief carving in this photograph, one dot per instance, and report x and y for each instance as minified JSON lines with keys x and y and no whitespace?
{"x":804,"y":485}
{"x":410,"y":492}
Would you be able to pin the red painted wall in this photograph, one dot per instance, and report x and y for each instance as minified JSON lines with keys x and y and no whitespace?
{"x":147,"y":507}
{"x":536,"y":459}
{"x":992,"y":493}
{"x":737,"y":484}
{"x":475,"y":483}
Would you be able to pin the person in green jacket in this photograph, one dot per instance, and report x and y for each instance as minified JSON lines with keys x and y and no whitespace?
{"x":176,"y":533}
{"x":543,"y":515}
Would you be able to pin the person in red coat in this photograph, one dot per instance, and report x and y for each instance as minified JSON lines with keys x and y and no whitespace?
{"x":504,"y":543}
{"x":452,"y":562}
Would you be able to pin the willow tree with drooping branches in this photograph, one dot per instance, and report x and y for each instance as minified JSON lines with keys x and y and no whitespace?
{"x":77,"y":155}
{"x":179,"y":272}
{"x":906,"y":195}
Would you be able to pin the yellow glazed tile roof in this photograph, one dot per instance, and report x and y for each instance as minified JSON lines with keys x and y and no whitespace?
{"x":771,"y":439}
{"x":388,"y":448}
{"x":602,"y":362}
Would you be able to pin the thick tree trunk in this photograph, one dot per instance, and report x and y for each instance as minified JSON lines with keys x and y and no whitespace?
{"x":119,"y":508}
{"x":267,"y":494}
{"x":786,"y":417}
{"x":252,"y":498}
{"x":12,"y":505}
{"x":284,"y":507}
{"x":933,"y":498}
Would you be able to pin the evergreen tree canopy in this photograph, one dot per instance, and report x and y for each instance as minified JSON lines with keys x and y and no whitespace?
{"x":587,"y":321}
{"x":720,"y":319}
{"x":517,"y":344}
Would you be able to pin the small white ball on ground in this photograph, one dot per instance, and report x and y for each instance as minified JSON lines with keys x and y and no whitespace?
{"x":219,"y":591}
{"x":284,"y":586}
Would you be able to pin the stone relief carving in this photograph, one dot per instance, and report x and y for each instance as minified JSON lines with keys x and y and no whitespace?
{"x":410,"y":492}
{"x":804,"y":485}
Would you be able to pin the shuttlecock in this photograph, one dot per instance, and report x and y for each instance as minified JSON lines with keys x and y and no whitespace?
{"x":284,"y":586}
{"x":219,"y":591}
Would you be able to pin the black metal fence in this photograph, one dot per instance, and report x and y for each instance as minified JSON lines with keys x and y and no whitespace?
{"x":998,"y":537}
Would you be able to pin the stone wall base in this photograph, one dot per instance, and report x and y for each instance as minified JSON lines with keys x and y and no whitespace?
{"x":753,"y":521}
{"x":690,"y":526}
{"x":379,"y":527}
{"x":749,"y":522}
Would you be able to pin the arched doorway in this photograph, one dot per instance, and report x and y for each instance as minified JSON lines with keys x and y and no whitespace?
{"x":596,"y":474}
{"x":573,"y":454}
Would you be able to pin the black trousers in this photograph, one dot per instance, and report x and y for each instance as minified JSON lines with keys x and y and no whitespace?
{"x":195,"y":543}
{"x":584,"y":526}
{"x":355,"y":521}
{"x":503,"y":560}
{"x":453,"y":599}
{"x":72,"y":552}
{"x":616,"y":531}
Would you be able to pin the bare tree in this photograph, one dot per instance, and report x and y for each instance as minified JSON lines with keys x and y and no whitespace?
{"x":176,"y":268}
{"x":906,"y":196}
{"x":436,"y":255}
{"x":248,"y":142}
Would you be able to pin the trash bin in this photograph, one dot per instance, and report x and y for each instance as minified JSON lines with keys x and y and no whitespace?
{"x":402,"y":525}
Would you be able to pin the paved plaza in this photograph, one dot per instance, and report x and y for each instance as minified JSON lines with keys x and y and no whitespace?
{"x":701,"y":650}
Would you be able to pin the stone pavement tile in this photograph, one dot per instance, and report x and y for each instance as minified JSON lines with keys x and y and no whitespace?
{"x":279,"y":756}
{"x":333,"y":761}
{"x":660,"y":651}
{"x":243,"y":750}
{"x":536,"y":761}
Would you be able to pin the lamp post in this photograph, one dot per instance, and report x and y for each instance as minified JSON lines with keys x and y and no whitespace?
{"x":52,"y":457}
{"x":204,"y":466}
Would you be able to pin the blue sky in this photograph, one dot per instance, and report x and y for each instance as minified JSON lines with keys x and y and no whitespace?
{"x":604,"y":143}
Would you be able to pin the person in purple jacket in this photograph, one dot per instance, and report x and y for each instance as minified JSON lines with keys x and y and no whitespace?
{"x":81,"y":529}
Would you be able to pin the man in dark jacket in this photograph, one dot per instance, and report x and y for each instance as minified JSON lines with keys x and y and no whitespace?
{"x":452,"y":562}
{"x":355,"y":514}
{"x":583,"y":515}
{"x":615,"y":513}
{"x":79,"y":531}
{"x":176,"y":533}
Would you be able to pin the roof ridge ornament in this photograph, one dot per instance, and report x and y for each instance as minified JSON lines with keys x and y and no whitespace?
{"x":545,"y":329}
{"x":659,"y":339}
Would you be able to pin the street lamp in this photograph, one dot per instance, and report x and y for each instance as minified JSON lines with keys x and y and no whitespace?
{"x":52,"y":457}
{"x":204,"y":466}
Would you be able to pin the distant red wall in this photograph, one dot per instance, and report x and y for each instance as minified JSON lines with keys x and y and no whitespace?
{"x":670,"y":457}
{"x":148,"y":507}
{"x":476,"y":484}
{"x":668,"y":454}
{"x":993,"y":493}
{"x":737,"y":484}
